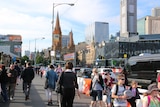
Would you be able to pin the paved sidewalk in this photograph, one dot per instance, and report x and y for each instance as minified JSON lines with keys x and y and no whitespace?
{"x":38,"y":98}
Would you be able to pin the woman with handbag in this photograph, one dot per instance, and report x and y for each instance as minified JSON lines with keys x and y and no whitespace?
{"x":96,"y":88}
{"x":68,"y":82}
{"x":51,"y":78}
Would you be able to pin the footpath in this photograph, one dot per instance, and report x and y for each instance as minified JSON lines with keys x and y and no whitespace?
{"x":38,"y":97}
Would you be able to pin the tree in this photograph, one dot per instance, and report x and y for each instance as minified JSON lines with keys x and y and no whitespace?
{"x":39,"y":59}
{"x":23,"y":59}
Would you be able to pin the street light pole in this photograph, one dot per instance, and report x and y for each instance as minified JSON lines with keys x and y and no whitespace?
{"x":35,"y":50}
{"x":55,"y":5}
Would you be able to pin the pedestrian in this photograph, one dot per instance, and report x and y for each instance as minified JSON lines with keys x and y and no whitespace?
{"x":68,"y":82}
{"x":120,"y":99}
{"x":16,"y":66}
{"x":150,"y":98}
{"x":51,"y":78}
{"x":3,"y":82}
{"x":27,"y":76}
{"x":158,"y":78}
{"x":12,"y":73}
{"x":125,"y":72}
{"x":97,"y":87}
{"x":108,"y":82}
{"x":135,"y":92}
{"x":59,"y":69}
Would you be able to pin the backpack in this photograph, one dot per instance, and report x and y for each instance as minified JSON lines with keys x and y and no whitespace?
{"x":117,"y":88}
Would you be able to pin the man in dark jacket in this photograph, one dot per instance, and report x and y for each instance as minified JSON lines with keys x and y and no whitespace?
{"x":12,"y":74}
{"x":27,"y":76}
{"x":3,"y":82}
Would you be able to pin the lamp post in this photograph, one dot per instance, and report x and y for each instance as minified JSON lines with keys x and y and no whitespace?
{"x":35,"y":50}
{"x":55,"y":5}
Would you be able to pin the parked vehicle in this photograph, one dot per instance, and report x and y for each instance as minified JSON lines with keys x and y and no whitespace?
{"x":85,"y":72}
{"x":76,"y":69}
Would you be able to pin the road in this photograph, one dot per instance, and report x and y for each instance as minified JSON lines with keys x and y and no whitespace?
{"x":38,"y":97}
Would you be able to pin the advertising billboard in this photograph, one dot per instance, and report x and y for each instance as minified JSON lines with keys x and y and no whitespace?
{"x":69,"y":56}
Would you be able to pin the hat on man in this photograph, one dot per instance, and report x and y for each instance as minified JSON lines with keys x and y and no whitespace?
{"x":152,"y":87}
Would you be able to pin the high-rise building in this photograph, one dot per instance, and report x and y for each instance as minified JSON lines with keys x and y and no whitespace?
{"x":97,"y":32}
{"x":156,"y":11}
{"x":128,"y":18}
{"x":65,"y":40}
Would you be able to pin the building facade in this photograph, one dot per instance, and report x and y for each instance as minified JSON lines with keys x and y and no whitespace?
{"x":148,"y":25}
{"x":152,"y":25}
{"x":128,"y":18}
{"x":97,"y":32}
{"x":141,"y":26}
{"x":11,"y":45}
{"x":156,"y":11}
{"x":65,"y":40}
{"x":58,"y":51}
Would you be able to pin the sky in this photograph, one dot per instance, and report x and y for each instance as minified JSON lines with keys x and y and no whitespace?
{"x":32,"y":19}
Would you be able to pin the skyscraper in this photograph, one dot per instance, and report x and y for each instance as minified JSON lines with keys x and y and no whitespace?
{"x":128,"y":18}
{"x":156,"y":11}
{"x":97,"y":32}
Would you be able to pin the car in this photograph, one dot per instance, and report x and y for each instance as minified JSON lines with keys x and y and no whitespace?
{"x":85,"y":72}
{"x":76,"y":69}
{"x":103,"y":71}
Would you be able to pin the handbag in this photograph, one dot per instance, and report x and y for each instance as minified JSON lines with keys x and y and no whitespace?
{"x":91,"y":91}
{"x":58,"y":88}
{"x":46,"y":84}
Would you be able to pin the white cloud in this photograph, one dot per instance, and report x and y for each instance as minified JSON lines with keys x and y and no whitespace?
{"x":32,"y":19}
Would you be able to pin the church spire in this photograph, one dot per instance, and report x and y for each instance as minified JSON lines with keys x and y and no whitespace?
{"x":57,"y":29}
{"x":71,"y":45}
{"x":57,"y":36}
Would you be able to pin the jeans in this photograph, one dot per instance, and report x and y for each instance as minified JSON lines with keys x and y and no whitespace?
{"x":4,"y":92}
{"x":11,"y":89}
{"x":27,"y":87}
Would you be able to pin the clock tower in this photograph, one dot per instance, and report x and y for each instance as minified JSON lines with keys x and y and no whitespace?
{"x":57,"y":39}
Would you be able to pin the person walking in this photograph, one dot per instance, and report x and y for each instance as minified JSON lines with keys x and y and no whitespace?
{"x":68,"y":82}
{"x":51,"y":78}
{"x":59,"y":69}
{"x":108,"y":82}
{"x":3,"y":82}
{"x":135,"y":92}
{"x":16,"y":66}
{"x":27,"y":76}
{"x":150,"y":98}
{"x":12,"y":74}
{"x":120,"y":99}
{"x":97,"y":87}
{"x":158,"y":78}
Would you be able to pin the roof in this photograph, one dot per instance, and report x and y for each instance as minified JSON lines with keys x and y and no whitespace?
{"x":150,"y":57}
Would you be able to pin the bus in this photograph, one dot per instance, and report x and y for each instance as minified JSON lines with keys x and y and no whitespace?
{"x":143,"y":68}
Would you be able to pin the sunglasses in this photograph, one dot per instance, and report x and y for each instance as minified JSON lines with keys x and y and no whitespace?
{"x":107,"y":74}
